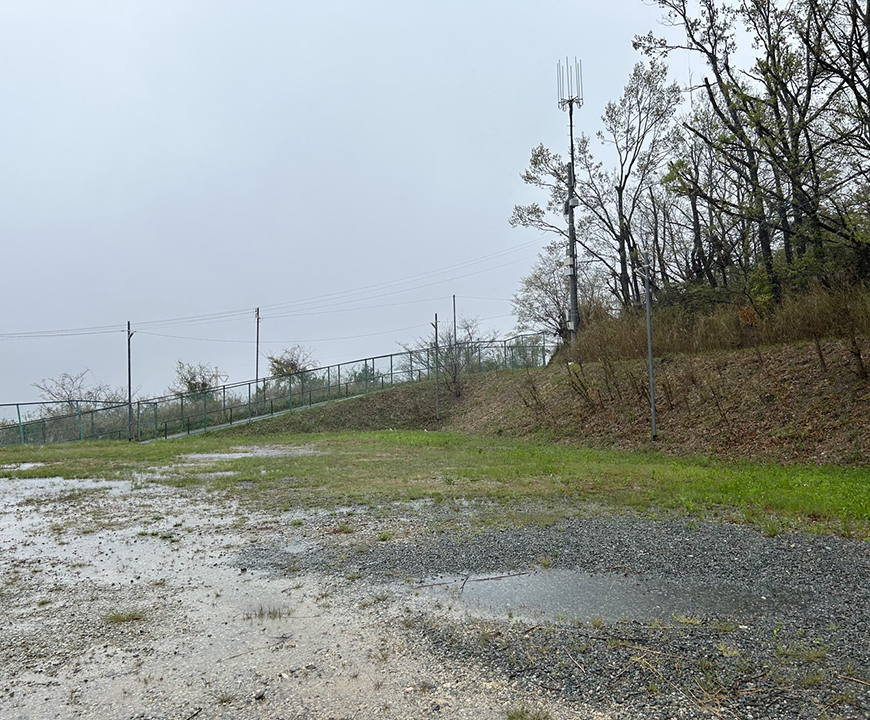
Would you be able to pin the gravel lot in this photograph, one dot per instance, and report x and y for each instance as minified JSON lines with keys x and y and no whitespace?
{"x":144,"y":601}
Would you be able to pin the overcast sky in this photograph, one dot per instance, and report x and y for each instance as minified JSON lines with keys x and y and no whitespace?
{"x":347,"y":166}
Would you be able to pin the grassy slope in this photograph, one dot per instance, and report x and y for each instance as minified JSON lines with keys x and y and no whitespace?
{"x":778,"y":405}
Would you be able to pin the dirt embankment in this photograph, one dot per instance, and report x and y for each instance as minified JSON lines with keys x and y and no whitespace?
{"x":774,"y":404}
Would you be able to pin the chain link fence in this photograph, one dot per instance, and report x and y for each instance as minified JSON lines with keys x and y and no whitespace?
{"x":185,"y":413}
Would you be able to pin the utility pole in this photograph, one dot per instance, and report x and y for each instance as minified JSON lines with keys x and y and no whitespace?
{"x":454,"y":350}
{"x":649,"y":347}
{"x":569,"y":80}
{"x":437,"y":409}
{"x":257,"y":362}
{"x":129,"y":385}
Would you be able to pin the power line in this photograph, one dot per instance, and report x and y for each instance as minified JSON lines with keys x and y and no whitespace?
{"x":71,"y":332}
{"x":282,"y":342}
{"x":308,"y":306}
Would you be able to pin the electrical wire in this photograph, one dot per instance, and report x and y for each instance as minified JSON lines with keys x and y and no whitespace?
{"x":322,"y":304}
{"x":280,"y":342}
{"x":71,"y":332}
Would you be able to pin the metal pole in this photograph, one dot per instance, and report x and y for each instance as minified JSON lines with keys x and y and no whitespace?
{"x":20,"y":424}
{"x":453,"y":345}
{"x":129,"y":385}
{"x":652,"y":386}
{"x":437,"y":408}
{"x":573,"y":315}
{"x":257,"y":362}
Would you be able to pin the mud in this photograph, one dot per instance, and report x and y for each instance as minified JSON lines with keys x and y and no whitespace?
{"x":132,"y":600}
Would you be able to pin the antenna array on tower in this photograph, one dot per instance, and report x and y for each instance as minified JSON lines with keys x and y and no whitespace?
{"x":569,"y":83}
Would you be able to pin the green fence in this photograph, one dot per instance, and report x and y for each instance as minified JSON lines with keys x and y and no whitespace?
{"x":171,"y":415}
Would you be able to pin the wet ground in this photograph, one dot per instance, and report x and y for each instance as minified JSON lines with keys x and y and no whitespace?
{"x":131,"y":599}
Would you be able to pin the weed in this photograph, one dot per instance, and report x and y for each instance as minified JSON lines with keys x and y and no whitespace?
{"x":224,"y":697}
{"x":265,"y":613}
{"x":803,"y":651}
{"x":812,"y":678}
{"x":772,"y":527}
{"x":687,"y":620}
{"x":124,"y":616}
{"x":385,"y":536}
{"x":525,"y":713}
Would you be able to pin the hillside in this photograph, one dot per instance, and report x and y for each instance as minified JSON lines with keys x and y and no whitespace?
{"x":773,"y":404}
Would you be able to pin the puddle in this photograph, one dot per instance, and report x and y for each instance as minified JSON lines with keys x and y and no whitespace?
{"x":569,"y":595}
{"x":252,"y":451}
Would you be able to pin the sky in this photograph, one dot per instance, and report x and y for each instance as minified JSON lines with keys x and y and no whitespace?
{"x":346,"y":166}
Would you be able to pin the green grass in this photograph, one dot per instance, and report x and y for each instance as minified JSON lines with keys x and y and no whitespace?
{"x":384,"y":466}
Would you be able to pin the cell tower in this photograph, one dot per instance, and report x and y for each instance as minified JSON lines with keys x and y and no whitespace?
{"x":569,"y":84}
{"x":569,"y":81}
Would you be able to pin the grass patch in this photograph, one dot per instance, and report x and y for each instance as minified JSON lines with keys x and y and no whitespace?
{"x":385,"y":466}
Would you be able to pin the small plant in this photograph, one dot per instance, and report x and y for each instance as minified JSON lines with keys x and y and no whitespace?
{"x":524,"y":713}
{"x":224,"y":698}
{"x":728,"y":651}
{"x":385,"y":536}
{"x":124,"y":616}
{"x":687,"y":620}
{"x":265,"y":613}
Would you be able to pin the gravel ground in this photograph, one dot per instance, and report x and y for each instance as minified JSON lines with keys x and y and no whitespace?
{"x":159,"y":603}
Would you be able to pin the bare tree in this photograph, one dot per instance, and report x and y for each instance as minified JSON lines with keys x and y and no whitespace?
{"x":72,"y":389}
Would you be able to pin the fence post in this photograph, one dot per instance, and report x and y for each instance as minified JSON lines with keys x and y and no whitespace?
{"x":543,"y":350}
{"x":79,"y":418}
{"x":182,"y":411}
{"x":411,"y":365}
{"x":391,"y":369}
{"x":289,"y":392}
{"x":204,"y":411}
{"x":249,"y":401}
{"x":155,"y":421}
{"x":20,"y":424}
{"x":328,"y":384}
{"x":138,"y":421}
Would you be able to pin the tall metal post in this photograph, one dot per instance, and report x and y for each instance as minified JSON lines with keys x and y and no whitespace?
{"x":652,"y":384}
{"x":437,"y":408}
{"x":257,"y":362}
{"x":129,"y":385}
{"x":454,"y":346}
{"x":570,"y":90}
